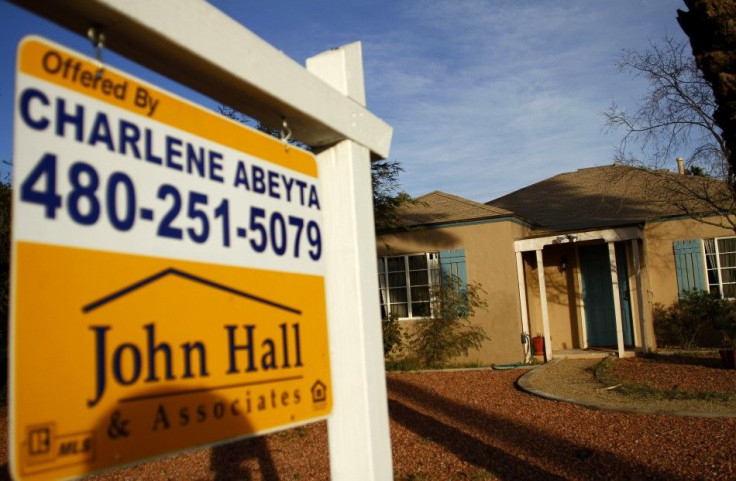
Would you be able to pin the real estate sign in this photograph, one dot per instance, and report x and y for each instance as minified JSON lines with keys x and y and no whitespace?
{"x":168,"y":273}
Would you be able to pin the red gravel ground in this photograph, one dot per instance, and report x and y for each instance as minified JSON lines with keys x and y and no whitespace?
{"x":475,"y":425}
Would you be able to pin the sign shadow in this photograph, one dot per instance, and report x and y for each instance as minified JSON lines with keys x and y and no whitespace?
{"x":227,"y":460}
{"x":157,"y":424}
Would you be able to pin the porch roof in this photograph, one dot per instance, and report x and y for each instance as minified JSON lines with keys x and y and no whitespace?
{"x":606,"y":235}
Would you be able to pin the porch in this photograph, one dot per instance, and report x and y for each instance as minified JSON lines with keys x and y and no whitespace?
{"x":590,"y":353}
{"x":582,"y":292}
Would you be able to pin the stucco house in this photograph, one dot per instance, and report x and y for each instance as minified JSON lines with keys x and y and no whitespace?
{"x":580,"y":258}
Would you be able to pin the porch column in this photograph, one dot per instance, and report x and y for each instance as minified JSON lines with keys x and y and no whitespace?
{"x":579,"y":274}
{"x":522,"y":299}
{"x":616,"y":300}
{"x":545,"y":312}
{"x":639,"y":295}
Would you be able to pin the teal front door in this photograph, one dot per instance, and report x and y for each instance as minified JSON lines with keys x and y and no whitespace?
{"x":624,"y":293}
{"x":600,"y":315}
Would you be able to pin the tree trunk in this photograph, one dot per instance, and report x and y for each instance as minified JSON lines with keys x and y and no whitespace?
{"x":711,"y":26}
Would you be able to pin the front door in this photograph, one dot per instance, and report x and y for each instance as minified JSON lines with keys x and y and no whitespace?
{"x":624,"y":293}
{"x":600,"y":315}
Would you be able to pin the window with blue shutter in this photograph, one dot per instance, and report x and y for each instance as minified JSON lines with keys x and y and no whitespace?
{"x":405,"y":284}
{"x":689,"y":265}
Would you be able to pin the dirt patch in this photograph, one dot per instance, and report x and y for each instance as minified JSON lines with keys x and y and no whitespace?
{"x":663,"y":384}
{"x":686,"y":374}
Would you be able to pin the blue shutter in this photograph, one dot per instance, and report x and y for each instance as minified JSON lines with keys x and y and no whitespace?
{"x":689,"y":265}
{"x":453,"y":262}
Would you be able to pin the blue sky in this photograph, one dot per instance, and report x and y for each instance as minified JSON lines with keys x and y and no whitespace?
{"x":485,"y":97}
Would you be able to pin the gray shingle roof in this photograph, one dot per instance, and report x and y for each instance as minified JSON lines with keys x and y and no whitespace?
{"x":611,"y":195}
{"x":440,"y":208}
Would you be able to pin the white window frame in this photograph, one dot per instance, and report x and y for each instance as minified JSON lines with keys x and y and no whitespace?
{"x":433,"y":278}
{"x":718,"y":269}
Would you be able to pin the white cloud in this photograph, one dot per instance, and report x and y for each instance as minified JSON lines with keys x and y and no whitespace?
{"x":490,"y":96}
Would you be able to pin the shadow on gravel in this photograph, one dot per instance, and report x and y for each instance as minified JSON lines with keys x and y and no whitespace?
{"x":465,"y":446}
{"x":713,"y":362}
{"x":536,"y":443}
{"x":226,"y":460}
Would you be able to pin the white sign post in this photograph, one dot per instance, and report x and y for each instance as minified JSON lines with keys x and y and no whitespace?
{"x":358,"y":432}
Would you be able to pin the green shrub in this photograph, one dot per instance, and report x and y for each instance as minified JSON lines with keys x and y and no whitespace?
{"x":682,"y":322}
{"x":663,"y":326}
{"x":404,"y":364}
{"x":726,"y":324}
{"x":392,"y":336}
{"x":449,"y":333}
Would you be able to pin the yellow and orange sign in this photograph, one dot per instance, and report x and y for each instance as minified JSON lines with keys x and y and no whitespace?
{"x":168,"y":278}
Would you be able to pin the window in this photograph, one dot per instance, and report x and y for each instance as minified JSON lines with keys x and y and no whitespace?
{"x":406,"y":282}
{"x":720,"y":265}
{"x":720,"y":261}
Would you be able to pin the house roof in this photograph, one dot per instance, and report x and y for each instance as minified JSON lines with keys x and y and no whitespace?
{"x":441,"y":208}
{"x":610,"y":196}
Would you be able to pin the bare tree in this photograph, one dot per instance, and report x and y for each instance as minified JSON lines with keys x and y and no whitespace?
{"x":674,"y":118}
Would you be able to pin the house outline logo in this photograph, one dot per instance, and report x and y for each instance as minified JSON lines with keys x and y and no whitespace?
{"x":319,"y":392}
{"x":185,"y":275}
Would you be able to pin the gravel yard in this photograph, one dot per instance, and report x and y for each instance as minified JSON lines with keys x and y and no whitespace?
{"x":476,"y":425}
